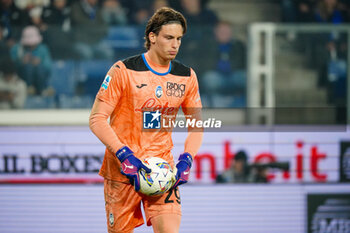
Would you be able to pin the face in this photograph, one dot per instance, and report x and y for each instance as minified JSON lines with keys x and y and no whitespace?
{"x":92,"y":2}
{"x":111,"y":4}
{"x":60,"y":4}
{"x":141,"y":16}
{"x":330,"y":3}
{"x":223,"y":33}
{"x":159,"y":4}
{"x":191,"y":6}
{"x":238,"y":166}
{"x":167,"y":43}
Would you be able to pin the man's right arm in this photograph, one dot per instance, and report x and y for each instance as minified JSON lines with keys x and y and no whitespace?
{"x":106,"y":101}
{"x":130,"y":165}
{"x":99,"y":125}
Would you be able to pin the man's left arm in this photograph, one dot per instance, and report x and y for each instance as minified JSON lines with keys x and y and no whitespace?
{"x":192,"y":108}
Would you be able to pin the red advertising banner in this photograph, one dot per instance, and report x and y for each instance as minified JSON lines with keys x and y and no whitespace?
{"x":74,"y":155}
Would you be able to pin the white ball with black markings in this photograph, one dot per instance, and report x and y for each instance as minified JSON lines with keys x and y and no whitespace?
{"x":160,"y":180}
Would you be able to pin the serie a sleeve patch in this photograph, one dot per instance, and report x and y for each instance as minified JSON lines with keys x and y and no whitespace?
{"x":106,"y":82}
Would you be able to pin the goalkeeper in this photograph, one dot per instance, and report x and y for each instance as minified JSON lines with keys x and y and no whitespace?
{"x":147,"y":82}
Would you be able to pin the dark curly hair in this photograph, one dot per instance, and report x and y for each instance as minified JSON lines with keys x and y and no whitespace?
{"x":163,"y":16}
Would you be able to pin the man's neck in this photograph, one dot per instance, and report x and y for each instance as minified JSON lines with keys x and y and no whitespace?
{"x":153,"y":56}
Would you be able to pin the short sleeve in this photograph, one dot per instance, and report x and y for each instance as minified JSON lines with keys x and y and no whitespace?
{"x":112,"y":86}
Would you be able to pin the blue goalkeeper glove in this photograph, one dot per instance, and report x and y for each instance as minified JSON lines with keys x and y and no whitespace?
{"x":130,"y":166}
{"x":183,"y":169}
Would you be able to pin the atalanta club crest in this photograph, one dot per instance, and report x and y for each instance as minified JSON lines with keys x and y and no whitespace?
{"x":159,"y":91}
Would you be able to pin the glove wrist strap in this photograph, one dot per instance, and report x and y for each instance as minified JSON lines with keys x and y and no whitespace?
{"x":123,"y":153}
{"x":186,"y":157}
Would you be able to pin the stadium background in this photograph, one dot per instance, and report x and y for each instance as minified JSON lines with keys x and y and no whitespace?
{"x":291,"y":107}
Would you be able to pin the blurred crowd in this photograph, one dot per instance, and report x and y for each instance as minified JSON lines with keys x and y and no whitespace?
{"x":59,"y":50}
{"x":241,"y":170}
{"x":326,"y":52}
{"x":316,"y":11}
{"x":42,"y":38}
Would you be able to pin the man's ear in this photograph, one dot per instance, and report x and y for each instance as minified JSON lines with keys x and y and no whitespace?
{"x":152,"y":37}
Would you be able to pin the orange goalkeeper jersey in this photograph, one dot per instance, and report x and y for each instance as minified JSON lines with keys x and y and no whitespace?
{"x":133,"y":86}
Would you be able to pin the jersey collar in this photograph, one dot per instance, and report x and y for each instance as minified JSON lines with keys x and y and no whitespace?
{"x":152,"y":70}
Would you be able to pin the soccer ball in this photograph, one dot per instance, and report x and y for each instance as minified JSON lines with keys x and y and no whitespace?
{"x":160,"y":180}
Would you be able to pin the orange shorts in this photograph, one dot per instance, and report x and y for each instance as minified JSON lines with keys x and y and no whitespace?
{"x":123,"y":206}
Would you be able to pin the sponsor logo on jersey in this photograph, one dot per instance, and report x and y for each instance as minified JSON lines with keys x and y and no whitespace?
{"x":141,"y":85}
{"x":159,"y":91}
{"x":151,"y":120}
{"x":175,"y":89}
{"x":152,"y":104}
{"x":106,"y":82}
